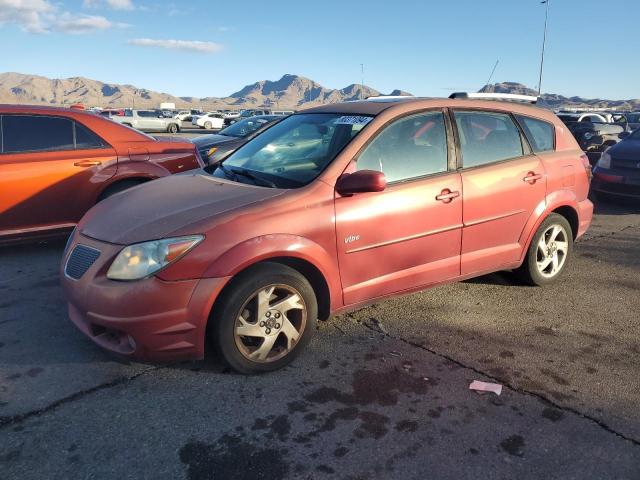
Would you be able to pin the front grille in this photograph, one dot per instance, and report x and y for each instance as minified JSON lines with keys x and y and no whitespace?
{"x":80,"y":261}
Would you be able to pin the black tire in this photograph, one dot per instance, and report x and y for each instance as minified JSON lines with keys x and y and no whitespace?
{"x":173,"y":128}
{"x":208,"y":125}
{"x":118,"y":187}
{"x":529,"y":272}
{"x":236,"y":301}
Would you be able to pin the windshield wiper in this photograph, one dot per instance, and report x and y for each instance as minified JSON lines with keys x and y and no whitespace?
{"x":248,"y":174}
{"x":227,"y":172}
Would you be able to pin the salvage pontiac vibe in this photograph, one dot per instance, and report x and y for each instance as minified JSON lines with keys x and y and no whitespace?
{"x":329,"y":209}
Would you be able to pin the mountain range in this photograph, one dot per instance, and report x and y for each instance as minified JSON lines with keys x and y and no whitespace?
{"x":556,"y":102}
{"x":289,"y":92}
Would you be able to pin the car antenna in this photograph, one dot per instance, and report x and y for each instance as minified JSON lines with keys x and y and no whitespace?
{"x":492,"y":72}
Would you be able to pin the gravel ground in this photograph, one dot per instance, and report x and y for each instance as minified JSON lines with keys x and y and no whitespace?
{"x":381,"y":392}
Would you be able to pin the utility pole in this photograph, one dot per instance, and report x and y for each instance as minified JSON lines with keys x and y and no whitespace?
{"x":544,"y":44}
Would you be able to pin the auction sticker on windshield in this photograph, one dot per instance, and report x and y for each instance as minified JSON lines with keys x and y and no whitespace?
{"x":353,"y":120}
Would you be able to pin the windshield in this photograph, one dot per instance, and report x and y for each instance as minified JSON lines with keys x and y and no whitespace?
{"x":294,"y":151}
{"x":245,"y":127}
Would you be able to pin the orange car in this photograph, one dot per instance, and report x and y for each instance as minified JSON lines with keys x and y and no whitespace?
{"x":56,"y":163}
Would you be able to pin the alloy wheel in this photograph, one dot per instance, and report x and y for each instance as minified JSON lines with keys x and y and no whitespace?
{"x":270,"y":323}
{"x":552,"y":251}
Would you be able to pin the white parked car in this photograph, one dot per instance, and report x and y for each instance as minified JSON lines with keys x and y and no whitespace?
{"x":182,"y":115}
{"x":210,"y":121}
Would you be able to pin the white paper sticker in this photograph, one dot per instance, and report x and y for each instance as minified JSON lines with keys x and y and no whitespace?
{"x":353,"y":120}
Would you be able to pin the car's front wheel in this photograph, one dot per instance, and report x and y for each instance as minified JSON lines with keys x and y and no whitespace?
{"x":550,"y":249}
{"x":264,"y":319}
{"x":208,"y":125}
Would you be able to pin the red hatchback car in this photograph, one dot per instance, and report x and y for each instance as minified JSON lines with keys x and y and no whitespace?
{"x":329,"y":209}
{"x":56,"y":163}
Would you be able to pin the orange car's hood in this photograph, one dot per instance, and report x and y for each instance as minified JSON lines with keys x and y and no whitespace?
{"x":155,"y":209}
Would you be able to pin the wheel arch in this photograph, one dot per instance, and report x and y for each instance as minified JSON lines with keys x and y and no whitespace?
{"x":563,"y":203}
{"x":307,"y":269}
{"x":139,"y":179}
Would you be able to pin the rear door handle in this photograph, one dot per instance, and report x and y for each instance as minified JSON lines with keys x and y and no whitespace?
{"x":446,"y":196}
{"x":88,"y":163}
{"x":532,"y":177}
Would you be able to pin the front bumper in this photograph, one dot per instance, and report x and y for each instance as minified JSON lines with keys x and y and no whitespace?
{"x":616,"y":181}
{"x":148,"y":319}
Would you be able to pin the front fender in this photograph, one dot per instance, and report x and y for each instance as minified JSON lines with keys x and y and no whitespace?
{"x":553,"y":201}
{"x":265,"y":247}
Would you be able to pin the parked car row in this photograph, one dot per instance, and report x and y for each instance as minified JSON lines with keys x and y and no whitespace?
{"x":613,"y":148}
{"x":216,"y":147}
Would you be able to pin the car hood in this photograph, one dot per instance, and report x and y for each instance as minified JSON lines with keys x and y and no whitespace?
{"x":626,"y":150}
{"x":158,"y":208}
{"x":211,"y":140}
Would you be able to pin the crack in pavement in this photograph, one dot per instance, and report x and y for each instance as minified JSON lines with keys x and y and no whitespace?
{"x":12,"y":420}
{"x":510,"y":386}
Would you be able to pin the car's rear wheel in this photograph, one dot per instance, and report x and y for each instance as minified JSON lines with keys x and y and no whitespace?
{"x":550,"y":249}
{"x":173,"y":128}
{"x":264,"y":319}
{"x":208,"y":125}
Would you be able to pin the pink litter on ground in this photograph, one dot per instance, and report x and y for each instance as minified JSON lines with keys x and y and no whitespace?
{"x":486,"y":387}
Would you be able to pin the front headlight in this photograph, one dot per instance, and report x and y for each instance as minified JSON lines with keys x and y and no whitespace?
{"x":605,"y":160}
{"x":143,"y":259}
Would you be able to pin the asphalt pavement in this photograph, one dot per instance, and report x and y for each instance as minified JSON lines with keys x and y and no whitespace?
{"x":380,"y":393}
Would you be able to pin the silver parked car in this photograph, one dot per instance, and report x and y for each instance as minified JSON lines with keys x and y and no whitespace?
{"x":148,"y":121}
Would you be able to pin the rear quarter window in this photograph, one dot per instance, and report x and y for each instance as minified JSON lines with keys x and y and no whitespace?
{"x":541,"y":134}
{"x":86,"y":139}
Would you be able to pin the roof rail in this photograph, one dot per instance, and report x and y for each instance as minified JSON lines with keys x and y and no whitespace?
{"x":505,"y":97}
{"x":388,"y":98}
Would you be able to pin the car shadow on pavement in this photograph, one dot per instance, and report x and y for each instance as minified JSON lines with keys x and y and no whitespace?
{"x":616,"y":207}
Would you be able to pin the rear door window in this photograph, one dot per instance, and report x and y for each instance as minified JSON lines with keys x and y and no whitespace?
{"x":541,"y":134}
{"x":487,"y":137}
{"x":31,"y":133}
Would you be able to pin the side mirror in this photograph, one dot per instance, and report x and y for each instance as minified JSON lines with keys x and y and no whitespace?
{"x":624,"y":135}
{"x":362,"y":181}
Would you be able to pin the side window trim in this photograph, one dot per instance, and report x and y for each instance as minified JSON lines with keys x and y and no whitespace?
{"x":526,"y":148}
{"x":448,"y":139}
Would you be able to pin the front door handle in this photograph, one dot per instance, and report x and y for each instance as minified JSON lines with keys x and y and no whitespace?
{"x":88,"y":163}
{"x":447,"y":196}
{"x":532,"y":177}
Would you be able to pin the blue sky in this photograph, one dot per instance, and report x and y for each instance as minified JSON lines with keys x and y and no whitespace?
{"x":213,"y":48}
